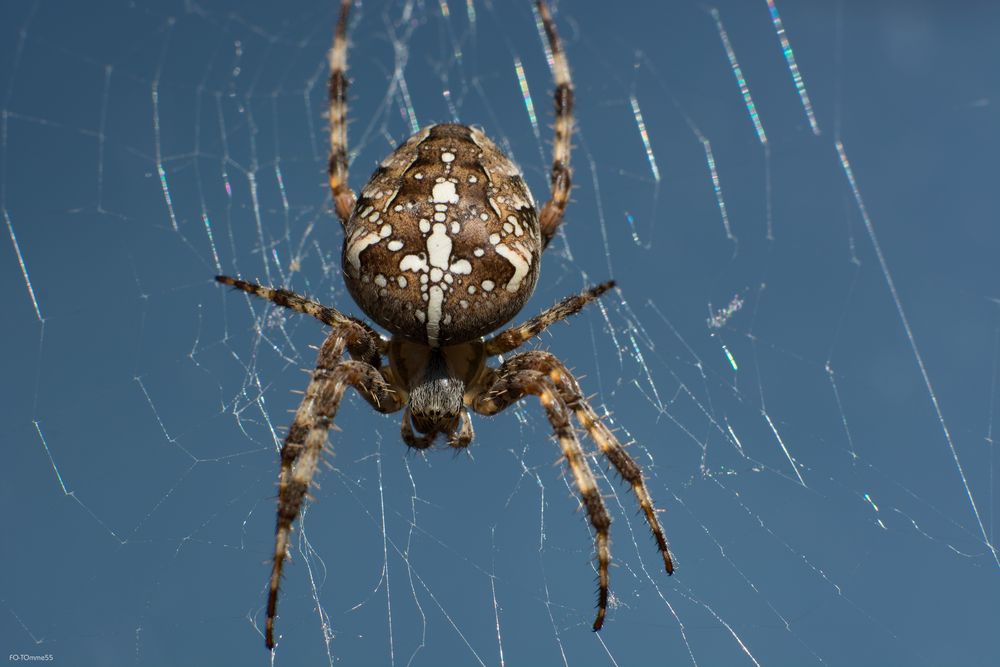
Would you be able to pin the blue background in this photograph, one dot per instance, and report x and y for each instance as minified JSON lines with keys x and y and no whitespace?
{"x":142,"y":404}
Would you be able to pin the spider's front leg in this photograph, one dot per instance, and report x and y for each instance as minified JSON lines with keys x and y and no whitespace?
{"x":610,"y":446}
{"x":307,"y":435}
{"x":510,"y":384}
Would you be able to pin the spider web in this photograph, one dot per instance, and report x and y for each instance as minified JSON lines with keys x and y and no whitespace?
{"x":795,"y":199}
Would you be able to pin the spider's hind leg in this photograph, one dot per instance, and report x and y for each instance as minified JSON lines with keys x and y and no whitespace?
{"x":560,"y":177}
{"x":343,"y":197}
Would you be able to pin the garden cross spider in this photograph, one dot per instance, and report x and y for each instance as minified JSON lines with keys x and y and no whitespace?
{"x":442,"y":248}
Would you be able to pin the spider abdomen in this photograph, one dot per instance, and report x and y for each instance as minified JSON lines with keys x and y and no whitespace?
{"x":443,"y":245}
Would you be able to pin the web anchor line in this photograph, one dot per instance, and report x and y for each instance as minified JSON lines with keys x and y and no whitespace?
{"x":870,"y":228}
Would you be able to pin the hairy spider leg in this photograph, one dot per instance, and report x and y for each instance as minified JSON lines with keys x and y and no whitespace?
{"x":534,"y":373}
{"x":509,"y":385}
{"x":307,"y":436}
{"x":610,"y":446}
{"x":514,"y":337}
{"x":367,"y":345}
{"x":343,"y":196}
{"x":560,"y":181}
{"x":288,"y":299}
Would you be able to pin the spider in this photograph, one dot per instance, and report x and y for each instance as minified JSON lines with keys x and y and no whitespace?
{"x":443,"y":248}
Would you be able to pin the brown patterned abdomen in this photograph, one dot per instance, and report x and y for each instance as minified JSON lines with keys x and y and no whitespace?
{"x":443,"y":245}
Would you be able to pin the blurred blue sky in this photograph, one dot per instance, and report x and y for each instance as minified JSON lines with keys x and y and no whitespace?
{"x":826,"y":458}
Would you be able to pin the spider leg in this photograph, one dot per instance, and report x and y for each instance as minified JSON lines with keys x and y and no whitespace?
{"x":366,"y":346}
{"x":609,"y":445}
{"x":343,"y":196}
{"x":307,"y":437}
{"x":514,"y":337}
{"x":560,"y":180}
{"x":509,"y":385}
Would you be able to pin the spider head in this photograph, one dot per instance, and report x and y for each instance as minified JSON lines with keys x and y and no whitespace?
{"x":435,"y":404}
{"x":436,"y":380}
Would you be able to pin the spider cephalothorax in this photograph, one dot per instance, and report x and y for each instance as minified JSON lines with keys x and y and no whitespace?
{"x":442,"y":248}
{"x":434,"y":381}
